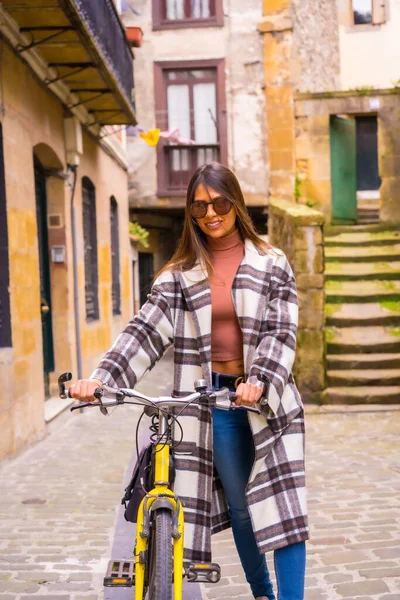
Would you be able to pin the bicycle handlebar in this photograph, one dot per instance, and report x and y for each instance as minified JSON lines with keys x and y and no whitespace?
{"x":108,"y":397}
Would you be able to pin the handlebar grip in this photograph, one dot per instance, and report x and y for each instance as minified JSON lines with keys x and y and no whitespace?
{"x":232,"y":398}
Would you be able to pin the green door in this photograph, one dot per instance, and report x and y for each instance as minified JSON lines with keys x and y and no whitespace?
{"x":343,"y":170}
{"x":45,"y":297}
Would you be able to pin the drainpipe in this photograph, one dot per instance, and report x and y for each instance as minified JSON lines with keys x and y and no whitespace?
{"x":74,"y":169}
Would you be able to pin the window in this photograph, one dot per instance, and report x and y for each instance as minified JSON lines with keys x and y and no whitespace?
{"x":190,"y":99}
{"x":368,"y":12}
{"x":5,"y":317}
{"x":115,"y":287}
{"x":170,"y":14}
{"x":90,"y":246}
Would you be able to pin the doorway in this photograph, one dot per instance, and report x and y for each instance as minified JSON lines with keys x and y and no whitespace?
{"x":367,"y":154}
{"x":44,"y":267}
{"x":146,"y":275}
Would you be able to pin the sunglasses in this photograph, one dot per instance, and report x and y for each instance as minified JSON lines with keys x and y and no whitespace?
{"x":221,"y":206}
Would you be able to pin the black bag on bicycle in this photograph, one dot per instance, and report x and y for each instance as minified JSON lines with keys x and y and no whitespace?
{"x":142,"y":481}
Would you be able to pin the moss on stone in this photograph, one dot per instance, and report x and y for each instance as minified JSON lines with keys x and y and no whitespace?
{"x":330,"y":334}
{"x":395,"y":331}
{"x":331,"y":309}
{"x":393,"y":305}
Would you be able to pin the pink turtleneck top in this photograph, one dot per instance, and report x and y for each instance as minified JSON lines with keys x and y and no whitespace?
{"x":226,"y":335}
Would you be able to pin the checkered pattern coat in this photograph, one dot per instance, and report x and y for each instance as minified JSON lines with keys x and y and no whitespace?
{"x":178,"y":312}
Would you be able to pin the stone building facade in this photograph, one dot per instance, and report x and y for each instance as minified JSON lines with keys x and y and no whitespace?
{"x":63,"y":196}
{"x":332,"y":105}
{"x":201,"y":72}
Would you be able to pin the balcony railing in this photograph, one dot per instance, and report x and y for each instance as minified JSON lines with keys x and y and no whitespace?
{"x":109,"y":37}
{"x":180,"y":162}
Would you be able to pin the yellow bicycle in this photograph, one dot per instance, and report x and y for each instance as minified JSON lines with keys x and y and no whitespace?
{"x":157,"y":566}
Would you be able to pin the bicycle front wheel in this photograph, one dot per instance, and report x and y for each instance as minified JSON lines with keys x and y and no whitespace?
{"x":160,"y":567}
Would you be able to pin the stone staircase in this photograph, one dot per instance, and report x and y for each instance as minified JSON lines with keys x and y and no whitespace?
{"x":362,"y":286}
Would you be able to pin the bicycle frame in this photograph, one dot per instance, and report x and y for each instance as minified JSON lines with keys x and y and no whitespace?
{"x":161,"y":496}
{"x":161,"y":492}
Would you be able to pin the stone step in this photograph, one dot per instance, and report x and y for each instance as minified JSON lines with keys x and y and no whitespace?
{"x":363,"y":238}
{"x":361,"y":395}
{"x":332,"y":230}
{"x":364,"y":253}
{"x":361,"y":291}
{"x":362,"y":340}
{"x":363,"y":361}
{"x":361,"y":377}
{"x":359,"y":270}
{"x":379,"y":313}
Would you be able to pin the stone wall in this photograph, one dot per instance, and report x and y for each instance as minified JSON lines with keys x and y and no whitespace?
{"x":316,"y":59}
{"x":297,"y":230}
{"x":313,"y":144}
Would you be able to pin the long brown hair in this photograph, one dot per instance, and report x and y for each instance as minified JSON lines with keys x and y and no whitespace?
{"x":192,"y":246}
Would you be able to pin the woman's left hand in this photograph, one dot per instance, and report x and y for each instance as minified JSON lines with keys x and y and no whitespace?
{"x":247,"y":394}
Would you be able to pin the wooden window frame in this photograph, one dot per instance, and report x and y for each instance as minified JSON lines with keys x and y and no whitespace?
{"x":378,"y":17}
{"x":161,"y":108}
{"x":5,"y":312}
{"x":160,"y":22}
{"x":115,"y":263}
{"x":89,"y":199}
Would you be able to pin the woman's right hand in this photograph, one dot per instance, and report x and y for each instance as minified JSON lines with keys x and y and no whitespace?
{"x":84,"y":389}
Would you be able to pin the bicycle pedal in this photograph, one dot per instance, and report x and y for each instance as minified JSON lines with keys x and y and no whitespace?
{"x":203,"y":572}
{"x":120,"y":573}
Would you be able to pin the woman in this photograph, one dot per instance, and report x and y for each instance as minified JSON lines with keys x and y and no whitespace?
{"x":227,"y":302}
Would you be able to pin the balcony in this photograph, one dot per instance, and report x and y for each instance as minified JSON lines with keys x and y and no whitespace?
{"x":85,"y":47}
{"x":179,"y":162}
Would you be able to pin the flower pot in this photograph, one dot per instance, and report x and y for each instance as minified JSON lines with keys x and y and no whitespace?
{"x":135,"y":36}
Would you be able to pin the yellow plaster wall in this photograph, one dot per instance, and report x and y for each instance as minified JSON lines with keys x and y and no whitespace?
{"x":33,"y":120}
{"x":278,"y":67}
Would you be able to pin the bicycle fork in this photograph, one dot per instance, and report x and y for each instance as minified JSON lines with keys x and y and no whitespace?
{"x":160,"y":497}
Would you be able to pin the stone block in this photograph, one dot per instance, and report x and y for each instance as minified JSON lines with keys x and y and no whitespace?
{"x":310,"y":346}
{"x":271,"y":7}
{"x":309,"y":261}
{"x":319,"y":125}
{"x":281,"y":160}
{"x":311,"y":309}
{"x":389,"y":165}
{"x":305,"y":237}
{"x":305,"y":281}
{"x":280,"y":139}
{"x":390,"y":200}
{"x":310,"y":378}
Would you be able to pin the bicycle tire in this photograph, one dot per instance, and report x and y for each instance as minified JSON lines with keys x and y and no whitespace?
{"x":160,"y":559}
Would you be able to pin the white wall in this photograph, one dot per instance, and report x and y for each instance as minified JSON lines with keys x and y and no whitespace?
{"x":370,"y":54}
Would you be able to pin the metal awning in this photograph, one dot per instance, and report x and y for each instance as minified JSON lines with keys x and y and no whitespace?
{"x":84,"y":44}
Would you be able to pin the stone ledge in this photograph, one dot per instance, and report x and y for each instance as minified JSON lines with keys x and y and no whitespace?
{"x":299,"y":213}
{"x":272,"y":23}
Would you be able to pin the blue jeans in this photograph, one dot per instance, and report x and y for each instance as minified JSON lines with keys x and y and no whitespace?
{"x":233,"y":460}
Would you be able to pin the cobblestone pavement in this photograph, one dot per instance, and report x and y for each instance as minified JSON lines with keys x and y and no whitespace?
{"x":353,"y":476}
{"x":59,"y":500}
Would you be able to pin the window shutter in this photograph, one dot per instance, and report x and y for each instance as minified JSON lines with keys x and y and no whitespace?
{"x":90,"y":248}
{"x":115,"y":288}
{"x":378,"y":12}
{"x":345,"y":13}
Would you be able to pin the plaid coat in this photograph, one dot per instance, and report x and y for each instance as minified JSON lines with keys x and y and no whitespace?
{"x":178,"y":312}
